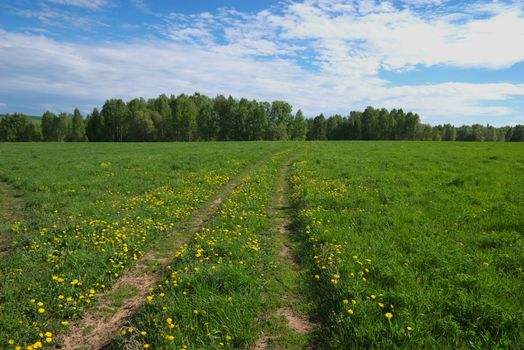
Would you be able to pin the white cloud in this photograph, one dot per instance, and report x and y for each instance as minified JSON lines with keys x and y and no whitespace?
{"x":268,"y":55}
{"x":33,"y":64}
{"x":88,"y":4}
{"x":399,"y":39}
{"x":143,"y":7}
{"x":3,"y":105}
{"x":50,"y":16}
{"x":359,"y":38}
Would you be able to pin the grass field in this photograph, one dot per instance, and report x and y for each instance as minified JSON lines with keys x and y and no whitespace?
{"x":263,"y":245}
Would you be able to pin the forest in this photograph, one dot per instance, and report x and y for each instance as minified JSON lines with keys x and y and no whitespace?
{"x":201,"y":118}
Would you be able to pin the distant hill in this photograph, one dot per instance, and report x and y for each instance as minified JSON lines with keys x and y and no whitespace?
{"x":35,"y":119}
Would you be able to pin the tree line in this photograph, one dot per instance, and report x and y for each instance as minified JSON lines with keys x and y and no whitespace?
{"x":201,"y":118}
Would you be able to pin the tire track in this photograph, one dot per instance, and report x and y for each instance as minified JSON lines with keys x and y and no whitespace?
{"x":99,"y":325}
{"x":296,"y":321}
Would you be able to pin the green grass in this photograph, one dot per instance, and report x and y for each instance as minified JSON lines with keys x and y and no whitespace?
{"x":441,"y":225}
{"x":427,"y":233}
{"x":92,"y":211}
{"x":211,"y":294}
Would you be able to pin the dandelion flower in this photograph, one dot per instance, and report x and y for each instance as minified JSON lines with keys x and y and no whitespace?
{"x":388,"y":315}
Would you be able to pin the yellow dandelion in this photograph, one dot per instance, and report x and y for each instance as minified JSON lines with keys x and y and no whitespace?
{"x":388,"y":315}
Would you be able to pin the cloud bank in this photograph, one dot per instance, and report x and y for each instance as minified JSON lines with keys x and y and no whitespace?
{"x":322,"y":56}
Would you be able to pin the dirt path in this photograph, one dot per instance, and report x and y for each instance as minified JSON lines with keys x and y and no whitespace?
{"x":102,"y":322}
{"x":11,"y":210}
{"x":290,"y":298}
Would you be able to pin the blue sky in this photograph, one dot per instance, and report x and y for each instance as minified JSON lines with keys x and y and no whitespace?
{"x":451,"y":61}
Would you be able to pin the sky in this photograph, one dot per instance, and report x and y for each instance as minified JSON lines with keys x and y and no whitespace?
{"x":459,"y":62}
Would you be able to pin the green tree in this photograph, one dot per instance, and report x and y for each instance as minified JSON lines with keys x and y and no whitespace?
{"x":334,"y":126}
{"x":411,"y":122}
{"x":517,"y":134}
{"x":78,"y":128}
{"x":370,"y":126}
{"x":355,"y":125}
{"x":62,"y":127}
{"x":399,"y":118}
{"x":18,"y":128}
{"x":95,"y":126}
{"x":385,"y":125}
{"x":164,"y":118}
{"x":318,"y":128}
{"x":298,"y":130}
{"x":185,"y":114}
{"x":142,"y":127}
{"x":257,"y":121}
{"x":224,"y":108}
{"x":449,"y":132}
{"x":279,"y":118}
{"x":141,"y":124}
{"x":116,"y":115}
{"x":48,"y":126}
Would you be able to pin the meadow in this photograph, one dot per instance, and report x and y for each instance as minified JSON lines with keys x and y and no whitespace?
{"x":326,"y":245}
